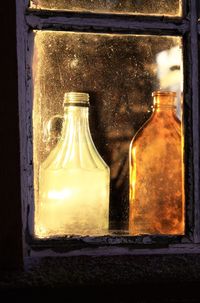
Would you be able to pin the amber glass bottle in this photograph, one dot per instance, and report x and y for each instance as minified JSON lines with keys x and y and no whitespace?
{"x":156,"y":172}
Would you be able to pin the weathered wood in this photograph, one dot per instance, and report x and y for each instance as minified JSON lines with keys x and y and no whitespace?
{"x":114,"y":251}
{"x":58,"y":21}
{"x":195,"y":118}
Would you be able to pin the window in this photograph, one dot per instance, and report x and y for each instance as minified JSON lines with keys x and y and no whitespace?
{"x":161,"y":7}
{"x":119,"y":54}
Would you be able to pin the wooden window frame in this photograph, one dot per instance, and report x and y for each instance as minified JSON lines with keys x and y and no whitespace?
{"x":188,"y":28}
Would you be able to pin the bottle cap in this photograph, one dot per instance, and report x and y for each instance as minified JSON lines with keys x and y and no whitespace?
{"x":76,"y":98}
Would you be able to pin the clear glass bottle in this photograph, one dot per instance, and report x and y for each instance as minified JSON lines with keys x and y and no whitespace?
{"x":156,"y":172}
{"x":52,"y":131}
{"x":74,"y":179}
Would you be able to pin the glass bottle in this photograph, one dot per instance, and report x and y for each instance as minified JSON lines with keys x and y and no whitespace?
{"x":156,"y":172}
{"x":74,"y":179}
{"x":52,"y":131}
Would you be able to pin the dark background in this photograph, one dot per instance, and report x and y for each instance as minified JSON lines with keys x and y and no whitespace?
{"x":10,"y":205}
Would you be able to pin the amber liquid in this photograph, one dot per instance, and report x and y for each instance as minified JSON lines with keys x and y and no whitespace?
{"x":156,"y":175}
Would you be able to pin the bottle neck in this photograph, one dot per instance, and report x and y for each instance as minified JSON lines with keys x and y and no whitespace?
{"x":76,"y":119}
{"x":164,"y":103}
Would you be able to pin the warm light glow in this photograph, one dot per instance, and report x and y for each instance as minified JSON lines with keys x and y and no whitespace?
{"x":60,"y":195}
{"x":116,"y":69}
{"x":82,"y":208}
{"x":156,"y":176}
{"x":169,"y":64}
{"x":74,"y":183}
{"x":153,"y":7}
{"x":133,"y":174}
{"x":170,"y":73}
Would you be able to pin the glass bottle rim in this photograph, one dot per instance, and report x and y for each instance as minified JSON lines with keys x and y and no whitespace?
{"x":76,"y":97}
{"x":163,"y":93}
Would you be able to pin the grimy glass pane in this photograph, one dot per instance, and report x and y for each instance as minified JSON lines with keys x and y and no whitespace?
{"x":120,"y":72}
{"x":154,"y":7}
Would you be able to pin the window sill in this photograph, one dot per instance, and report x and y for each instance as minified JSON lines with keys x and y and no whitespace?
{"x":111,"y":246}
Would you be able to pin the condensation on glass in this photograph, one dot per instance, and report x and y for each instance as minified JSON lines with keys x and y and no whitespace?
{"x":146,"y":7}
{"x":119,"y":72}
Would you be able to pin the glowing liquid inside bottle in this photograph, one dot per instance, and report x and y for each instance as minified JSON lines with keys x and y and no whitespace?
{"x":70,"y":209}
{"x":74,"y":183}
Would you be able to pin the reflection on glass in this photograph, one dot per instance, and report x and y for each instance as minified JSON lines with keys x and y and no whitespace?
{"x":170,"y":73}
{"x":52,"y":131}
{"x":156,"y":176}
{"x":119,"y":72}
{"x":154,"y":7}
{"x":74,"y":180}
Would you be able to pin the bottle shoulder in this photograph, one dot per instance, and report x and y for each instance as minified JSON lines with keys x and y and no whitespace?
{"x":139,"y":133}
{"x":158,"y":127}
{"x":74,"y":155}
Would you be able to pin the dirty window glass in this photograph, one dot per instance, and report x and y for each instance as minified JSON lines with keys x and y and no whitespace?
{"x":153,"y":7}
{"x":120,"y":72}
